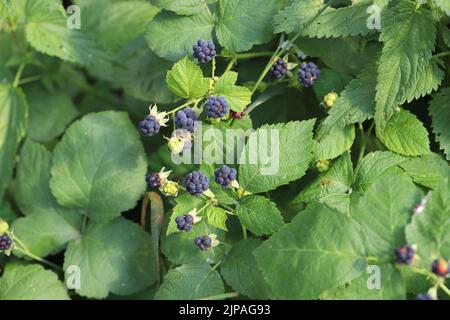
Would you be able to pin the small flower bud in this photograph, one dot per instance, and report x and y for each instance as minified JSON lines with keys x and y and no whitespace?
{"x":330,"y":99}
{"x":170,"y":188}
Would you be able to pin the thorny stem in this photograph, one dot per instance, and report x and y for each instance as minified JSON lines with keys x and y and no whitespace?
{"x":221,"y":296}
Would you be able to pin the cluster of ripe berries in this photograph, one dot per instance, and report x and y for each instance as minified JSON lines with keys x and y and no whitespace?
{"x":216,"y":107}
{"x":204,"y":242}
{"x":5,"y":242}
{"x":184,"y":222}
{"x":279,"y":69}
{"x":204,"y":51}
{"x":308,"y":73}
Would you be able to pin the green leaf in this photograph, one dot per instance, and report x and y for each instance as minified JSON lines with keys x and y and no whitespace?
{"x":430,"y":230}
{"x":98,"y":166}
{"x":182,"y":7}
{"x":47,"y":32}
{"x":335,"y":143}
{"x":13,"y":124}
{"x":245,"y":23}
{"x":116,"y":24}
{"x":341,"y":22}
{"x":405,"y":134}
{"x":392,"y":287}
{"x":336,"y":181}
{"x":189,"y":282}
{"x":330,"y":81}
{"x":186,"y":80}
{"x":440,"y":115}
{"x":300,"y":263}
{"x":259,"y":215}
{"x":355,"y":104}
{"x":383,"y":212}
{"x":237,"y":97}
{"x":31,"y":282}
{"x":217,"y":217}
{"x":288,"y":148}
{"x":409,"y":36}
{"x":240,"y":271}
{"x":48,"y":226}
{"x":50,"y":113}
{"x":6,"y":212}
{"x":171,"y":36}
{"x":180,"y":248}
{"x":374,"y":165}
{"x":429,"y":170}
{"x":114,"y":257}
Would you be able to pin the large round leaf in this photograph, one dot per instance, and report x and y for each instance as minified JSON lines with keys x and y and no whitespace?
{"x":99,"y":166}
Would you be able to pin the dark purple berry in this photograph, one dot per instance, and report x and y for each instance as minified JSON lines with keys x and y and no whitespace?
{"x":196,"y":182}
{"x":185,"y":222}
{"x":279,"y":69}
{"x":405,"y":254}
{"x":216,"y":107}
{"x":5,"y":242}
{"x":308,"y":73}
{"x":440,"y":267}
{"x":198,"y":241}
{"x":224,"y":175}
{"x":424,"y":296}
{"x":204,"y":51}
{"x":185,"y":119}
{"x":149,"y":126}
{"x":153,"y":181}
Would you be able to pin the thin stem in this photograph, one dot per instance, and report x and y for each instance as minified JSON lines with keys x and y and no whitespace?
{"x":18,"y":75}
{"x":444,"y":288}
{"x":187,"y":103}
{"x":213,"y":71}
{"x":230,"y":64}
{"x":244,"y":232}
{"x":84,"y":223}
{"x":250,"y":55}
{"x":221,"y":296}
{"x":144,"y":210}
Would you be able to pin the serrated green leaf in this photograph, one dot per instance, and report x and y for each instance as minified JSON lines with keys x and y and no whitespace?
{"x":336,"y":181}
{"x":335,"y":143}
{"x":50,"y":113}
{"x":13,"y":124}
{"x":383,"y":212}
{"x":114,"y":257}
{"x":47,"y":32}
{"x":289,"y":152}
{"x":430,"y":230}
{"x":330,"y":81}
{"x":355,"y":104}
{"x":392,"y":286}
{"x":444,"y":5}
{"x":319,"y":263}
{"x":48,"y":226}
{"x":6,"y":212}
{"x":405,"y":134}
{"x":216,"y":217}
{"x":98,"y":166}
{"x":182,"y":7}
{"x":372,"y":166}
{"x":259,"y":215}
{"x":240,"y":271}
{"x":186,"y":80}
{"x":31,"y":282}
{"x":172,"y":37}
{"x":293,"y":17}
{"x":245,"y":23}
{"x":237,"y":97}
{"x":429,"y":170}
{"x":189,"y":282}
{"x":440,"y":115}
{"x":409,"y":36}
{"x":180,"y":247}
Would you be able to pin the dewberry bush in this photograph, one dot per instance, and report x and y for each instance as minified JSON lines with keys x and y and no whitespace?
{"x":97,"y":99}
